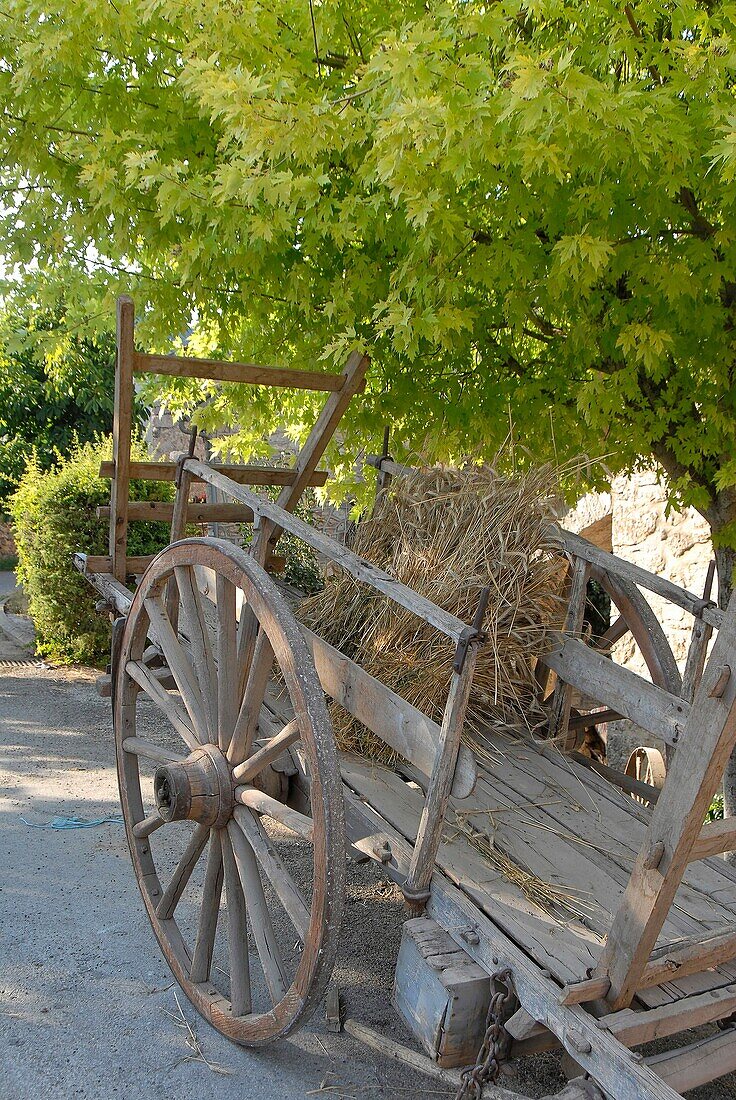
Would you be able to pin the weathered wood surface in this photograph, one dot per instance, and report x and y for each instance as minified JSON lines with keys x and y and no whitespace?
{"x":185,"y":367}
{"x":244,"y":475}
{"x":162,"y":512}
{"x":715,"y":837}
{"x":698,"y":1063}
{"x":649,"y":706}
{"x":456,"y":910}
{"x":407,"y":730}
{"x":358,"y":567}
{"x":676,"y":822}
{"x":573,"y":625}
{"x":121,"y":437}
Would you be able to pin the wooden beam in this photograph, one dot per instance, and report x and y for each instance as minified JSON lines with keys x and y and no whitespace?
{"x":649,"y":706}
{"x":121,"y":435}
{"x":642,"y":577}
{"x":111,"y":589}
{"x":578,"y":993}
{"x":573,"y":625}
{"x":352,"y":382}
{"x":99,"y":563}
{"x":676,"y":822}
{"x":619,"y":779}
{"x":159,"y":511}
{"x":186,"y":367}
{"x":715,"y":838}
{"x":698,"y":1063}
{"x":692,"y":955}
{"x":407,"y":730}
{"x":243,"y":475}
{"x":634,"y":1028}
{"x":362,"y":570}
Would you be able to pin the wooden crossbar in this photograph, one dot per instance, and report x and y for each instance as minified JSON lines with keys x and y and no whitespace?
{"x":185,"y":367}
{"x":244,"y":475}
{"x":163,"y":511}
{"x":691,"y":955}
{"x":715,"y":838}
{"x":651,"y":707}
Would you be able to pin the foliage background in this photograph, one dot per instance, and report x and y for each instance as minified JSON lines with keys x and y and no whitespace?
{"x":524,"y":210}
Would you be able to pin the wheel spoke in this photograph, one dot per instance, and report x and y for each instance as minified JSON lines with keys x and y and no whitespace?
{"x":247,"y":634}
{"x":182,"y":874}
{"x":148,"y":825}
{"x":138,"y":747}
{"x":616,"y":630}
{"x":259,"y":760}
{"x":276,"y":873}
{"x":262,"y":803}
{"x":209,"y":912}
{"x":179,"y":664}
{"x":250,"y":708}
{"x":199,"y":639}
{"x":260,"y":924}
{"x":227,"y":666}
{"x":237,"y":933}
{"x":160,"y":696}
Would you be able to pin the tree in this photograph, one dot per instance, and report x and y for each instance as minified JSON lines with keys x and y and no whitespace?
{"x":55,"y":391}
{"x":523,"y":209}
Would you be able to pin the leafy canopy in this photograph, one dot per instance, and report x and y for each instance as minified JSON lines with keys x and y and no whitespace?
{"x":56,"y":387}
{"x":522,"y":206}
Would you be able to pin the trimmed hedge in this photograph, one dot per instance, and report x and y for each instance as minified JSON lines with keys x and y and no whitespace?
{"x":53,"y":516}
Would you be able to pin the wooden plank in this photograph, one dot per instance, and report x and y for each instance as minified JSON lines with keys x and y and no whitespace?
{"x":121,"y":436}
{"x":358,"y":567}
{"x":635,"y":1028}
{"x":649,"y":706}
{"x":579,"y":993}
{"x":159,"y":511}
{"x":689,"y":956}
{"x":715,"y":838}
{"x":618,"y":779}
{"x":607,"y":1060}
{"x":677,"y":818}
{"x":698,"y":1063}
{"x":243,"y":475}
{"x":641,"y":577}
{"x":111,"y":589}
{"x":407,"y":730}
{"x":187,"y":367}
{"x":98,"y":563}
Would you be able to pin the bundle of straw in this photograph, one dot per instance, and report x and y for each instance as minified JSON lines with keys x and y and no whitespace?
{"x":447,"y":533}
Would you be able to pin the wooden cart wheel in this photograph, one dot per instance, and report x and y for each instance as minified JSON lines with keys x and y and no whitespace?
{"x":191,"y":795}
{"x":648,"y":766}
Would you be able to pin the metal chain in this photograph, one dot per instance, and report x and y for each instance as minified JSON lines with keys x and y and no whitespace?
{"x":495,"y":1045}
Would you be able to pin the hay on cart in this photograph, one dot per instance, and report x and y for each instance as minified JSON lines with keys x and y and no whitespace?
{"x":447,"y":533}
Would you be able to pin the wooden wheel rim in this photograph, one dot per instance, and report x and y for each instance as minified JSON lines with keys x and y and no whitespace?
{"x":317,"y":742}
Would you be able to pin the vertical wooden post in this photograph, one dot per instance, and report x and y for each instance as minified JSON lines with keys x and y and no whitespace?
{"x":698,"y":648}
{"x":312,"y":451}
{"x":429,"y":834}
{"x":122,"y":428}
{"x":676,"y":821}
{"x":562,"y":697}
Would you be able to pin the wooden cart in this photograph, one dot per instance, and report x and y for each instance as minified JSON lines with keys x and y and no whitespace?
{"x":224,"y":745}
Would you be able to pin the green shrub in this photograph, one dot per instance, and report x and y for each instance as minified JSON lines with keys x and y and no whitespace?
{"x":53,"y":512}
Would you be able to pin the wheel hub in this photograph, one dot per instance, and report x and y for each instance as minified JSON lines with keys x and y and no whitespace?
{"x":197,"y":789}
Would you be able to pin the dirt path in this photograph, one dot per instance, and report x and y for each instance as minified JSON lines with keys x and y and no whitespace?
{"x":86,"y":1001}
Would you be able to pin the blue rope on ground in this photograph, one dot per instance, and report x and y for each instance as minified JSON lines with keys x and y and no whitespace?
{"x":74,"y":822}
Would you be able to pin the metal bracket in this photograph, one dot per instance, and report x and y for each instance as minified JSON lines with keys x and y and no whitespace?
{"x":471,"y":633}
{"x":183,"y":457}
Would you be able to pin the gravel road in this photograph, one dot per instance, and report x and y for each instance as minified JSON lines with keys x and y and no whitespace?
{"x":87,"y":1005}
